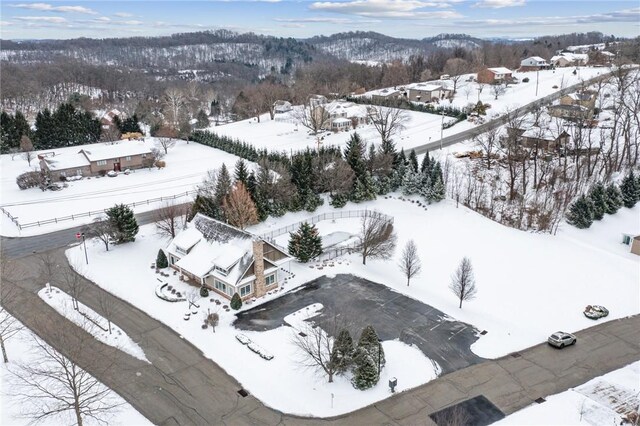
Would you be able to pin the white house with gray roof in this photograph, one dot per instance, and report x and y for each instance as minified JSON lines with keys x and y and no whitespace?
{"x":225,"y":259}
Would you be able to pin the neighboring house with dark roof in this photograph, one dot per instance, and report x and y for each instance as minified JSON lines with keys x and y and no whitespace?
{"x":96,"y":159}
{"x":225,"y":259}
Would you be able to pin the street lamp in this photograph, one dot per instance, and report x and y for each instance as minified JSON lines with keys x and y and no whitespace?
{"x":442,"y":128}
{"x":80,"y":235}
{"x":379,"y":357}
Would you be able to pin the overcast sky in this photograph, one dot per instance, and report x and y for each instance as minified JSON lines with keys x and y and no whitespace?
{"x":399,"y":18}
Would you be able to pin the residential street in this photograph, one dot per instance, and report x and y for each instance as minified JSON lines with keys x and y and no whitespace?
{"x":183,"y":387}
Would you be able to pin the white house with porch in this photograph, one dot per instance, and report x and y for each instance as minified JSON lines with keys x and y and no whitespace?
{"x":227,"y":260}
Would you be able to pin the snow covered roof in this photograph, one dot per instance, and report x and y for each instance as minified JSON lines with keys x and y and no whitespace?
{"x":348,"y":108}
{"x":569,"y":107}
{"x":539,"y":133}
{"x":342,"y":120}
{"x":425,"y":87}
{"x":580,"y":96}
{"x":66,"y":161}
{"x":500,"y":70}
{"x":214,"y":248}
{"x":122,"y":149}
{"x":571,"y":57}
{"x":387,"y":91}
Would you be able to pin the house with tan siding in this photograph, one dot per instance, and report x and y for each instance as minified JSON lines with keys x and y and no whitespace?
{"x":95,"y":159}
{"x":226,"y":260}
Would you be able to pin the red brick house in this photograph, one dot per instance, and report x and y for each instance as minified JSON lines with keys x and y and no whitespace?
{"x":495,"y":75}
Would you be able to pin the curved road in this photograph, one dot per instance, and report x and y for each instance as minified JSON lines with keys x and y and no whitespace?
{"x":182,"y":387}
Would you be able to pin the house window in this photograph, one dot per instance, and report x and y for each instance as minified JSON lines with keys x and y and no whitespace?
{"x":270,"y":279}
{"x":219,"y":285}
{"x":222,"y":271}
{"x":245,"y":291}
{"x":101,"y":162}
{"x":127,"y":158}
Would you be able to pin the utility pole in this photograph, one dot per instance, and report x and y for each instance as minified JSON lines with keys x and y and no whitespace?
{"x":537,"y":73}
{"x":442,"y":128}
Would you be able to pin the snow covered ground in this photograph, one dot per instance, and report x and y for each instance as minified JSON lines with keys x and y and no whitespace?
{"x":541,"y":280}
{"x":91,"y":321}
{"x":284,"y":134}
{"x":187,"y":164}
{"x":597,"y":402}
{"x":20,"y":350}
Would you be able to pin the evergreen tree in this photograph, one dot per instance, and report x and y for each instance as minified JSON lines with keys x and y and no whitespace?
{"x":629,"y":190}
{"x":365,"y":372}
{"x":437,"y":192}
{"x":580,"y":213}
{"x":131,"y":125}
{"x":202,"y":120}
{"x":614,"y":199}
{"x":338,"y":200}
{"x":598,"y":197}
{"x":364,"y":189}
{"x":236,"y":302}
{"x":425,"y":167}
{"x":223,"y":185}
{"x":397,"y":176}
{"x":161,"y":260}
{"x":436,"y":172}
{"x":354,"y":155}
{"x":306,"y":243}
{"x":123,"y":223}
{"x":206,"y":206}
{"x":371,"y":344}
{"x":343,"y":350}
{"x":412,"y":182}
{"x":413,"y":161}
{"x":241,"y":173}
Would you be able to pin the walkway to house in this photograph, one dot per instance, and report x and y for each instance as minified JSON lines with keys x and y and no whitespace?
{"x":183,"y":387}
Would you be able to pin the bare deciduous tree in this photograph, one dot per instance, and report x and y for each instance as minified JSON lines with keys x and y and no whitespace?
{"x":49,"y":267}
{"x":166,"y":138}
{"x":489,"y":143}
{"x":456,"y":67}
{"x":316,"y":346}
{"x":498,"y":90}
{"x":102,"y":229}
{"x":27,"y":149}
{"x":52,"y":386}
{"x":313,"y":118}
{"x":72,"y":284}
{"x":410,"y":264}
{"x":387,"y":121}
{"x":463,"y":284}
{"x":9,"y":326}
{"x":171,"y":218}
{"x":174,"y":100}
{"x":377,"y":239}
{"x":108,"y":307}
{"x":239,"y":208}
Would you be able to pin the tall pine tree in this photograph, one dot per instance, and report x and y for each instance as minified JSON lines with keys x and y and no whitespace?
{"x":306,"y":243}
{"x":241,"y":173}
{"x":343,"y":351}
{"x":413,"y":161}
{"x":598,"y":197}
{"x":124,"y":226}
{"x":629,"y":190}
{"x":580,"y":213}
{"x":614,"y":199}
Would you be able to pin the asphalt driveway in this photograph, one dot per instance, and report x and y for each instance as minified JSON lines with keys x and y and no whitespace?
{"x":394,"y":316}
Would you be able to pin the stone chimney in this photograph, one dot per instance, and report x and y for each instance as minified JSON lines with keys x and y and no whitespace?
{"x":258,"y":268}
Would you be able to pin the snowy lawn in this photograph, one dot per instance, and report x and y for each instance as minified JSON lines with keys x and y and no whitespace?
{"x":20,"y":350}
{"x":597,"y":402}
{"x":281,"y":382}
{"x":281,"y":134}
{"x":91,"y":321}
{"x":529,"y":285}
{"x":187,"y":164}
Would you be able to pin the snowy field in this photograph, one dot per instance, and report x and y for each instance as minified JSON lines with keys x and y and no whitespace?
{"x":597,"y":402}
{"x":541,"y":280}
{"x":187,"y":164}
{"x":91,"y":321}
{"x":284,"y":134}
{"x":20,"y":350}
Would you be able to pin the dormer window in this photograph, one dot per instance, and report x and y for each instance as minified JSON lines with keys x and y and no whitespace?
{"x":181,"y":250}
{"x":222,"y":271}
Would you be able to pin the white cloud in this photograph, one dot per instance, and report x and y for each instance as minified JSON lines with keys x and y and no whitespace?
{"x":499,"y":4}
{"x":49,"y":19}
{"x":123,"y":15}
{"x":46,"y":7}
{"x":409,"y":9}
{"x":325,"y":20}
{"x":5,"y":23}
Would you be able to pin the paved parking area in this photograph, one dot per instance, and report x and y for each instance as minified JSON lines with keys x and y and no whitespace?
{"x":394,"y":316}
